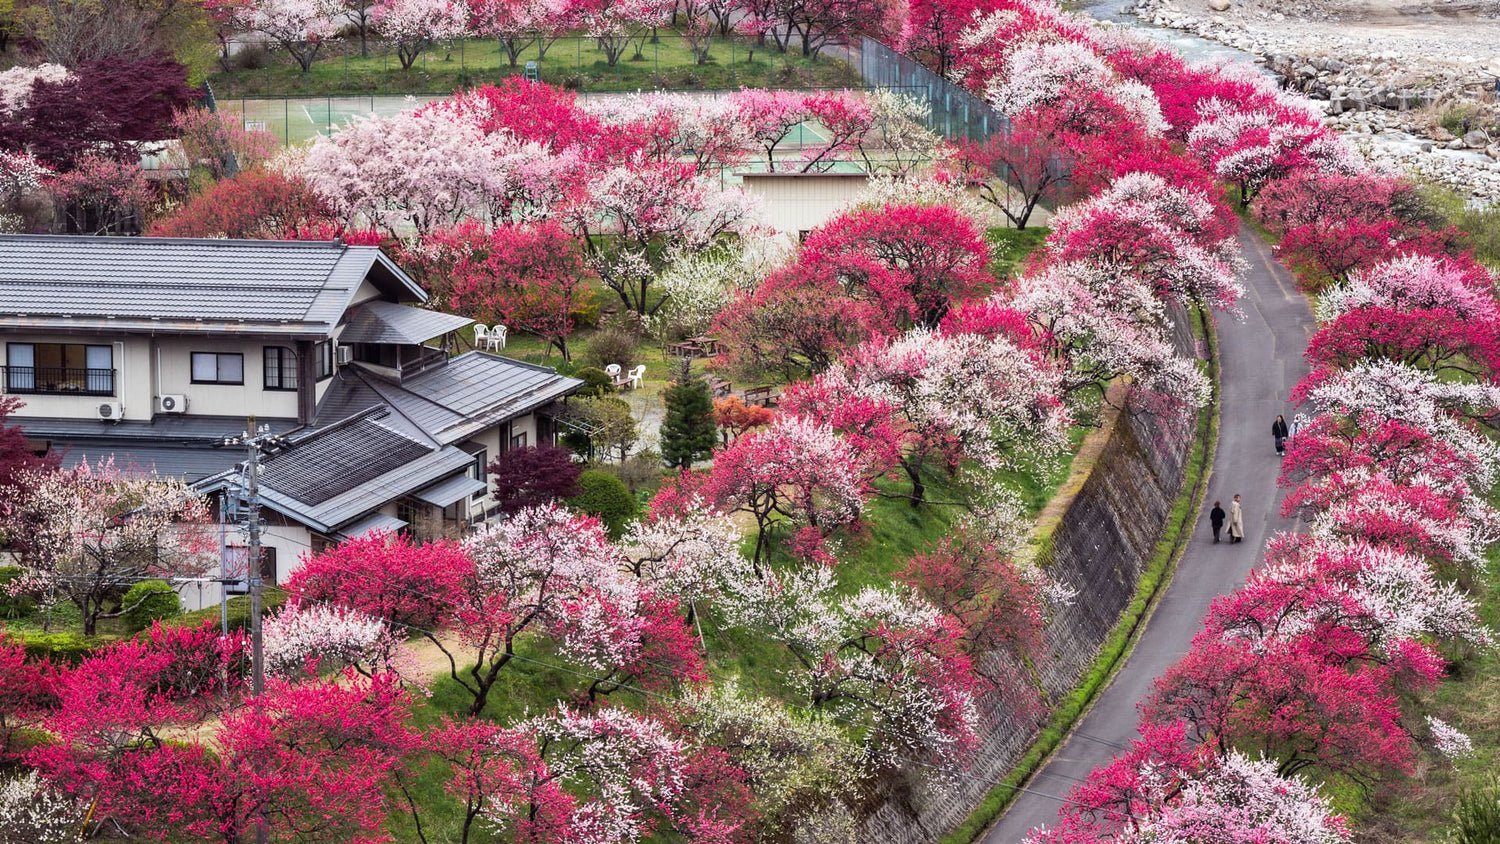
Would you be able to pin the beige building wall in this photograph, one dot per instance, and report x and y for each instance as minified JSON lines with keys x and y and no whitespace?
{"x":800,"y":202}
{"x":147,"y":368}
{"x":133,"y":384}
{"x":174,"y":373}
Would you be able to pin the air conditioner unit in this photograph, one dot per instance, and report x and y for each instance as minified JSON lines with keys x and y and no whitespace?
{"x":343,"y":354}
{"x":173,"y":404}
{"x":110,"y":411}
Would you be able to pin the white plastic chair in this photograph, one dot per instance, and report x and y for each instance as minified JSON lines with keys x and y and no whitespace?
{"x":481,"y":336}
{"x":497,"y":337}
{"x":613,"y":371}
{"x":635,"y":376}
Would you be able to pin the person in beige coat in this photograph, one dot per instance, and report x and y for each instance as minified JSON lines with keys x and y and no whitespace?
{"x":1236,"y":521}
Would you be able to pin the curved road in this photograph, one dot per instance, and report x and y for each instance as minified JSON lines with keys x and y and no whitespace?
{"x":1261,"y":360}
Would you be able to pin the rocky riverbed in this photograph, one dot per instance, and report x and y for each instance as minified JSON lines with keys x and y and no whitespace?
{"x":1414,"y":83}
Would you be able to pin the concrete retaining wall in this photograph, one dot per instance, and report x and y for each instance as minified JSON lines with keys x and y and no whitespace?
{"x":1100,"y":547}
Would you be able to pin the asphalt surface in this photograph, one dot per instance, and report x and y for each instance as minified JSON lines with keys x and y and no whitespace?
{"x":1260,"y":362}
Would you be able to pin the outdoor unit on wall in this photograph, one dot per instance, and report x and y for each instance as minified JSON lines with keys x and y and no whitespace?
{"x":110,"y":411}
{"x":173,"y":404}
{"x":343,"y":354}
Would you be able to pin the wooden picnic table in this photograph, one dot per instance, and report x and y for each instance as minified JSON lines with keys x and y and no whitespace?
{"x":764,"y":395}
{"x":708,"y":345}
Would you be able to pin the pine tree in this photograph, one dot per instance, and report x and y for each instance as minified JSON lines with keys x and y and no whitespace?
{"x":688,"y":432}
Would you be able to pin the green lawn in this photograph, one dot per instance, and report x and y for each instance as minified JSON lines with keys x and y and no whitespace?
{"x":574,"y":62}
{"x":1421,"y":810}
{"x":1010,"y":248}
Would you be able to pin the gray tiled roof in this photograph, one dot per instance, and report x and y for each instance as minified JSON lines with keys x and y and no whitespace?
{"x":187,"y":285}
{"x":332,"y":476}
{"x":164,"y":428}
{"x":187,"y":462}
{"x":371,"y":523}
{"x":326,"y":463}
{"x":454,"y":401}
{"x":387,"y":322}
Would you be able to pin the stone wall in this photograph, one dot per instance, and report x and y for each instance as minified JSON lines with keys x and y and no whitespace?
{"x":1100,"y":547}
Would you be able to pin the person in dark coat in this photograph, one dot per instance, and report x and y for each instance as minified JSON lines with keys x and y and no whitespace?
{"x":1279,"y":433}
{"x":1216,"y":520}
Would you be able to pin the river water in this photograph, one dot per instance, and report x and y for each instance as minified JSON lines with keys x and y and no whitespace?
{"x":1190,"y":47}
{"x":1194,"y":48}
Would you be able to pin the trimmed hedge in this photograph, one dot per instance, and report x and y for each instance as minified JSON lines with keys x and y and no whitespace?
{"x":1122,"y":638}
{"x":607,"y":497}
{"x":60,"y":648}
{"x":239,"y":611}
{"x":151,"y":600}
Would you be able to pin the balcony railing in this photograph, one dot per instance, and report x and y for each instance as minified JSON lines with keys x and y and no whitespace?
{"x":57,"y":380}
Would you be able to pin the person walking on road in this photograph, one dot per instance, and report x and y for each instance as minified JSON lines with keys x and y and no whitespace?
{"x":1216,"y":520}
{"x":1236,"y":521}
{"x":1279,"y":433}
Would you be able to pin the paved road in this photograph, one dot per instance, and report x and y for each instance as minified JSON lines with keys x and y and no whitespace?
{"x":1261,"y":362}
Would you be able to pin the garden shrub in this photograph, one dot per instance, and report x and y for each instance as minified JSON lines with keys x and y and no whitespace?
{"x":239,"y":610}
{"x":60,"y":648}
{"x":611,"y":346}
{"x":641,"y":472}
{"x":598,"y":381}
{"x":585,"y":314}
{"x":605,"y":496}
{"x":151,"y":600}
{"x":13,"y":607}
{"x":1477,"y":818}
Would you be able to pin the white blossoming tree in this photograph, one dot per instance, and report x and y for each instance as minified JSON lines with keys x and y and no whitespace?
{"x":86,"y":534}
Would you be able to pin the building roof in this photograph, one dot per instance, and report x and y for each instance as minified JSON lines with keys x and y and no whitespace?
{"x":371,"y":524}
{"x":388,"y":322}
{"x":451,"y":402}
{"x":451,"y":491}
{"x":176,"y":429}
{"x":333,"y":476}
{"x":323,"y":464}
{"x":184,"y":285}
{"x":188,"y":462}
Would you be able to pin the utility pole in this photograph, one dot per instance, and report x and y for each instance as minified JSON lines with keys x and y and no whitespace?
{"x":258,"y":442}
{"x":252,"y":565}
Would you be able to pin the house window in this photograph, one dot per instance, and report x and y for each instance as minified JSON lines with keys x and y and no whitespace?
{"x":268,"y":566}
{"x":218,"y":368}
{"x":412,"y":513}
{"x":518,"y":441}
{"x":59,"y":368}
{"x":281,"y":368}
{"x":323,"y":360}
{"x":480,"y":467}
